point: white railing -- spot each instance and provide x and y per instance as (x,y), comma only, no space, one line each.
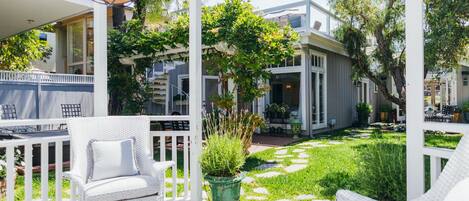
(436,155)
(45,77)
(316,18)
(59,141)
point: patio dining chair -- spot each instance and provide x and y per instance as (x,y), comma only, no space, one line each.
(456,170)
(8,112)
(148,184)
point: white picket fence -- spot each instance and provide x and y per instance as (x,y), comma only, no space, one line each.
(58,141)
(45,77)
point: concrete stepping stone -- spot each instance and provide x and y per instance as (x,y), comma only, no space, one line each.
(268,165)
(284,156)
(248,180)
(298,151)
(305,197)
(294,168)
(261,190)
(255,198)
(278,160)
(303,155)
(299,161)
(283,200)
(268,174)
(335,142)
(281,152)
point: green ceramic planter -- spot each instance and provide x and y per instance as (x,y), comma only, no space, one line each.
(225,188)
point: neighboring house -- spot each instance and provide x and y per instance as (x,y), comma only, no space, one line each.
(316,83)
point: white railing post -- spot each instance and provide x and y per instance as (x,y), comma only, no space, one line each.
(100,59)
(414,103)
(195,96)
(435,168)
(10,159)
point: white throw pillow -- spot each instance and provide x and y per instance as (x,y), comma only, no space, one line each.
(460,191)
(110,159)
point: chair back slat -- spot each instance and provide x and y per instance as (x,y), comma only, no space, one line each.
(8,112)
(71,110)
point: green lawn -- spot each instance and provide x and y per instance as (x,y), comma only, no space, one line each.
(332,165)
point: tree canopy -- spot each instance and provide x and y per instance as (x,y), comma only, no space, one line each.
(373,35)
(18,51)
(240,44)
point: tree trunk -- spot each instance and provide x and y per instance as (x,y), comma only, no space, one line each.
(118,16)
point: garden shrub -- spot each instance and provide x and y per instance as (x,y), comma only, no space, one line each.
(382,172)
(222,156)
(335,181)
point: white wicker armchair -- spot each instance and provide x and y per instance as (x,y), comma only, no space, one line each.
(455,170)
(148,185)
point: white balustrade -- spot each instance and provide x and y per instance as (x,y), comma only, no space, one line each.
(436,155)
(59,141)
(45,77)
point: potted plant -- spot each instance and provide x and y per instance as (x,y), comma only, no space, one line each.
(221,162)
(465,110)
(456,118)
(3,170)
(384,113)
(364,110)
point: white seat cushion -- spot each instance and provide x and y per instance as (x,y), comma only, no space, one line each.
(460,191)
(112,158)
(121,188)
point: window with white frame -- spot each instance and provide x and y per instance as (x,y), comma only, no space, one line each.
(80,46)
(289,62)
(318,91)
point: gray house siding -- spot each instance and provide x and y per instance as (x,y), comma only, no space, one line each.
(43,101)
(341,92)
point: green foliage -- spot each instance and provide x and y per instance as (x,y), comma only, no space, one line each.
(18,51)
(465,106)
(446,39)
(382,170)
(364,107)
(386,108)
(3,165)
(241,45)
(223,156)
(239,125)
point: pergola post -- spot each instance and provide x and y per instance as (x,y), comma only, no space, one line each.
(100,98)
(195,96)
(414,101)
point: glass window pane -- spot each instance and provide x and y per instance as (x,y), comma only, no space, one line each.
(76,46)
(285,90)
(321,98)
(89,46)
(297,60)
(313,99)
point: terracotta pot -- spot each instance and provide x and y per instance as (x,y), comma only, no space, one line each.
(456,117)
(384,116)
(3,186)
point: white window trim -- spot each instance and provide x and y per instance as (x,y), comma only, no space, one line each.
(367,90)
(318,71)
(205,77)
(69,45)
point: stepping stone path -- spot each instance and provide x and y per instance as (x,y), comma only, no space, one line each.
(305,197)
(268,174)
(281,152)
(261,191)
(278,160)
(335,142)
(303,155)
(298,151)
(294,168)
(284,156)
(269,165)
(300,161)
(255,198)
(248,180)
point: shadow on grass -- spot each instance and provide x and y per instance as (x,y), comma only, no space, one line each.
(252,162)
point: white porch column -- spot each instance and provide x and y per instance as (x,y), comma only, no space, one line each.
(195,96)
(305,88)
(308,16)
(100,59)
(414,102)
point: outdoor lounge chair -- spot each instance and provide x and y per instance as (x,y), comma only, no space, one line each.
(147,185)
(456,170)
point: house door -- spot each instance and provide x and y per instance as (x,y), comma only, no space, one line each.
(318,109)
